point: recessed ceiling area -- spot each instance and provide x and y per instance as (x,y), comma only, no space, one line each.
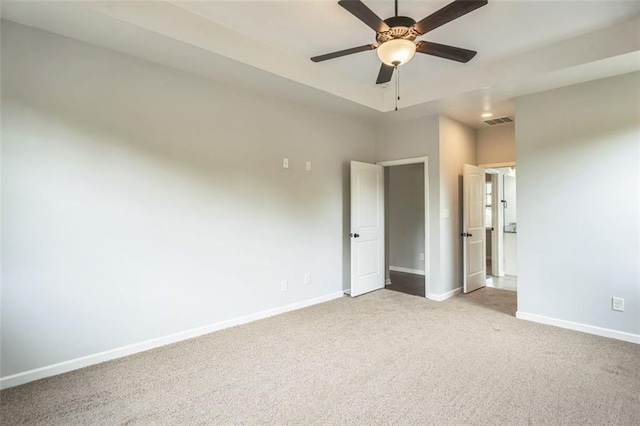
(523,47)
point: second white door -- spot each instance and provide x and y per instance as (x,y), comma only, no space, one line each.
(473,228)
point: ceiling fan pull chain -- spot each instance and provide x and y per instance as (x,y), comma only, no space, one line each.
(398,93)
(397,86)
(396,7)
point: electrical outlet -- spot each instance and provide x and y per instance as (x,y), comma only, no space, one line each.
(285,163)
(617,304)
(421,256)
(308,166)
(307,278)
(284,284)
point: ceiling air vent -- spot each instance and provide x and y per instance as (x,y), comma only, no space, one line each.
(500,120)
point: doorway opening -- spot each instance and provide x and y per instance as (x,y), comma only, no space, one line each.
(406,225)
(501,228)
(404,213)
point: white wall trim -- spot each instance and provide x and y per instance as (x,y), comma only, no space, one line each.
(576,326)
(407,270)
(444,296)
(85,361)
(403,162)
(490,165)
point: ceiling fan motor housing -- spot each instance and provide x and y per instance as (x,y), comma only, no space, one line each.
(399,27)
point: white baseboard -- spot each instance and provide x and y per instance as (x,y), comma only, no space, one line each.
(576,326)
(85,361)
(407,270)
(444,296)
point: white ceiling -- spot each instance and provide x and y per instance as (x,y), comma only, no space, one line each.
(523,47)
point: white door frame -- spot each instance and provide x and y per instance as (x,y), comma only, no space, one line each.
(497,165)
(425,161)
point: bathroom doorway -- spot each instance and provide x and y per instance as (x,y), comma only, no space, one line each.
(501,228)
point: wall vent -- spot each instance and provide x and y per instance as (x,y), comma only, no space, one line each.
(500,120)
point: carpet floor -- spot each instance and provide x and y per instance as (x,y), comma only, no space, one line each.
(381,358)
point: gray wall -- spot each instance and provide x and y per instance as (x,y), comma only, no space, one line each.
(406,216)
(578,153)
(497,144)
(457,147)
(140,201)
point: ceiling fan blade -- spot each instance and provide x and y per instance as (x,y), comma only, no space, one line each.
(343,52)
(448,13)
(385,74)
(444,51)
(363,13)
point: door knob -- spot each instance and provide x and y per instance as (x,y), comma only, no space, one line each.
(354,235)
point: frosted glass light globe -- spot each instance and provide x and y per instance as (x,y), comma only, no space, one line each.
(396,52)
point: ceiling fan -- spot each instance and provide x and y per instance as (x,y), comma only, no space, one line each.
(396,35)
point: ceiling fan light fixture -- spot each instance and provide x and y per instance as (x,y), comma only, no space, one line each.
(396,52)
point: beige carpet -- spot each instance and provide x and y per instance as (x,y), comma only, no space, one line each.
(382,358)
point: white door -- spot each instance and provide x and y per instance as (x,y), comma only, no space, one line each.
(367,228)
(473,228)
